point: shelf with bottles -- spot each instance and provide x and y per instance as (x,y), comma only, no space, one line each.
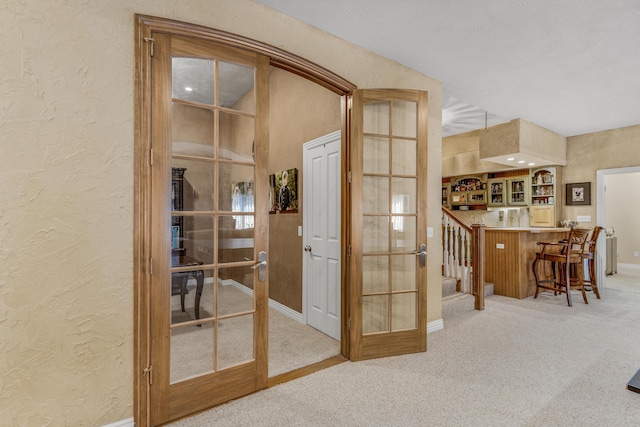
(469,192)
(497,192)
(518,191)
(446,189)
(543,189)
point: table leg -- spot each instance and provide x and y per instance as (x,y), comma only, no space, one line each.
(199,275)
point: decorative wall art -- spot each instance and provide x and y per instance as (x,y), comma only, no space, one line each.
(284,191)
(578,194)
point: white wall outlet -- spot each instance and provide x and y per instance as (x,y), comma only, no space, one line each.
(429,232)
(499,245)
(583,218)
(300,230)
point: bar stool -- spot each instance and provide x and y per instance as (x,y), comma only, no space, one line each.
(590,255)
(566,256)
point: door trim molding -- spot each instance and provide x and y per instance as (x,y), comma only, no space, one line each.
(145,27)
(279,58)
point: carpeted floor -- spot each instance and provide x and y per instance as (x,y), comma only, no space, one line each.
(626,279)
(517,363)
(292,344)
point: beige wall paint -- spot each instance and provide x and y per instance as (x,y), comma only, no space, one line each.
(300,111)
(66,199)
(622,207)
(586,154)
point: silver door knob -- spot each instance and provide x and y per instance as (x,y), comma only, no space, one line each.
(307,248)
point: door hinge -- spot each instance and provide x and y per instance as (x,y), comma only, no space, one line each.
(150,266)
(348,250)
(150,41)
(151,157)
(349,324)
(148,371)
(349,177)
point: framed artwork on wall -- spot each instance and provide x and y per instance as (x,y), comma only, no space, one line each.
(578,194)
(284,191)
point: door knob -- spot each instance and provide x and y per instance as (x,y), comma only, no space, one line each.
(261,265)
(307,248)
(422,254)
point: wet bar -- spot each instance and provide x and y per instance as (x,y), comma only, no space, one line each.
(509,254)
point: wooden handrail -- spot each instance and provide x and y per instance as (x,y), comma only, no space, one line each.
(457,221)
(476,261)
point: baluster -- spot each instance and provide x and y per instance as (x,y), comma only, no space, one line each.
(469,264)
(463,258)
(456,250)
(445,242)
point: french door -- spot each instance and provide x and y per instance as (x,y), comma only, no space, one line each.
(388,223)
(209,225)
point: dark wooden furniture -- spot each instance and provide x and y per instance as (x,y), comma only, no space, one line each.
(590,255)
(562,258)
(177,205)
(179,280)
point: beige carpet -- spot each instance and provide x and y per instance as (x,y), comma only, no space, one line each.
(626,279)
(292,344)
(517,363)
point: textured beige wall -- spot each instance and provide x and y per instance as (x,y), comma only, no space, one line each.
(299,111)
(66,199)
(461,156)
(612,149)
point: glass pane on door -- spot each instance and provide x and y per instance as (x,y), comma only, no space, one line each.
(212,217)
(389,202)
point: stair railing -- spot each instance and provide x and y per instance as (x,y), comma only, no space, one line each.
(462,250)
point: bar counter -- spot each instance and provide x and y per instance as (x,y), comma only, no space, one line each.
(509,254)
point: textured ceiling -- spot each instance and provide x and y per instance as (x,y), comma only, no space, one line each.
(571,66)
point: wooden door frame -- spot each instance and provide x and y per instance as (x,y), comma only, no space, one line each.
(145,27)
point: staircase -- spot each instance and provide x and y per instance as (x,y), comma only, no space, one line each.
(463,258)
(450,287)
(454,302)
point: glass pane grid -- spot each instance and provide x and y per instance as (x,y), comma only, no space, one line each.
(213,132)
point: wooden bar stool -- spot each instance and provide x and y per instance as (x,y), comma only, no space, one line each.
(590,255)
(565,256)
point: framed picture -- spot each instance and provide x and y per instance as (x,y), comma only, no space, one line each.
(284,191)
(579,193)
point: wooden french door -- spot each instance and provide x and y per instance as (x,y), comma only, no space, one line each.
(208,225)
(388,223)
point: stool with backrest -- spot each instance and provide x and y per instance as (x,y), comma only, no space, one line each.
(566,256)
(590,255)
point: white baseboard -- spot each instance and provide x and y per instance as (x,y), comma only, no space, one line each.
(435,325)
(629,266)
(122,423)
(272,303)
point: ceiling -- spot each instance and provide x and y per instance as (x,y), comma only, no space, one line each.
(571,66)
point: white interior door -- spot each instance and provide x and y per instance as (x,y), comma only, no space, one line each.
(321,233)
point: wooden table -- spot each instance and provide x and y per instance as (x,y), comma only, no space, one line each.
(509,255)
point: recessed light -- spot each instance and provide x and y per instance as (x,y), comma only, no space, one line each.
(188,89)
(532,164)
(510,159)
(520,161)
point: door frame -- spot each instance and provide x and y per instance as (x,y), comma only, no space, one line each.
(601,215)
(145,27)
(305,222)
